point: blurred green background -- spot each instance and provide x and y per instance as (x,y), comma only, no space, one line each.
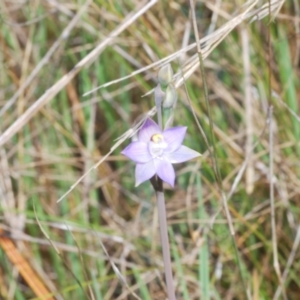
(250,65)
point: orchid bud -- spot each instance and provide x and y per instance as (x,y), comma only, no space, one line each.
(170,97)
(159,95)
(165,75)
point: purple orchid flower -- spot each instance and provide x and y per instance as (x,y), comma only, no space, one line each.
(156,151)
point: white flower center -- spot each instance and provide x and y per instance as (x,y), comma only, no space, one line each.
(157,145)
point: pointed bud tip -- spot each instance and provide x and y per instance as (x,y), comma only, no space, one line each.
(165,75)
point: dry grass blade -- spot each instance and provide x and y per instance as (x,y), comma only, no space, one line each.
(45,59)
(248,110)
(91,292)
(240,173)
(6,190)
(24,268)
(118,273)
(272,204)
(276,96)
(58,86)
(209,42)
(213,153)
(289,262)
(58,252)
(128,134)
(72,147)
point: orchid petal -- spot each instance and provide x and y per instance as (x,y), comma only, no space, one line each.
(144,172)
(138,152)
(148,130)
(182,154)
(174,137)
(165,171)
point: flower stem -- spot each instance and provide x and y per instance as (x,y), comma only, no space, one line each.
(161,207)
(163,226)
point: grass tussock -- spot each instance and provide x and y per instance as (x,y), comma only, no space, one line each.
(101,240)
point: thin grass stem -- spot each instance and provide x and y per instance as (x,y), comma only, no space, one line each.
(213,153)
(271,165)
(272,205)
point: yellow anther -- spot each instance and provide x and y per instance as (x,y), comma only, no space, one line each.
(157,138)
